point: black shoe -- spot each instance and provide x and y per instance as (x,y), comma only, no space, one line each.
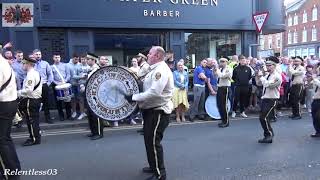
(154,177)
(222,125)
(296,118)
(61,118)
(192,119)
(96,137)
(147,170)
(49,121)
(30,142)
(90,135)
(19,125)
(265,140)
(273,120)
(315,135)
(201,117)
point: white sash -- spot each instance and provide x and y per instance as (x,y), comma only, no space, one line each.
(61,77)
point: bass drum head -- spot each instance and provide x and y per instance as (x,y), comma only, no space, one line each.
(105,92)
(212,107)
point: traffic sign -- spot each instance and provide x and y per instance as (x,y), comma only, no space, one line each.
(260,19)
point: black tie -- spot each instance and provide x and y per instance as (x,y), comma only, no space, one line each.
(219,78)
(264,91)
(295,68)
(316,89)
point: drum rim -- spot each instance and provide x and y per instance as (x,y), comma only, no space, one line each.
(100,69)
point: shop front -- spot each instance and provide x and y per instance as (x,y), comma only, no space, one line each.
(193,29)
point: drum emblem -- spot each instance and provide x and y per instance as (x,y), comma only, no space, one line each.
(105,93)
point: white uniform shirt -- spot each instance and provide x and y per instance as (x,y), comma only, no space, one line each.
(29,83)
(271,85)
(10,92)
(297,74)
(316,83)
(224,76)
(158,89)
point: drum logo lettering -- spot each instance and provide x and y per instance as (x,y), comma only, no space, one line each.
(105,93)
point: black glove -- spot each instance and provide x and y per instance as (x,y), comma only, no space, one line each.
(128,98)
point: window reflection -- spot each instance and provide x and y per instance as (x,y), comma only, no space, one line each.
(214,45)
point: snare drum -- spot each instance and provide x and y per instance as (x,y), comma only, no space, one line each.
(64,91)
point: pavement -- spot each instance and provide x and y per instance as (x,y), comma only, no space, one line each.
(193,151)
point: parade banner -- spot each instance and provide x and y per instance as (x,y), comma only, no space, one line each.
(17,15)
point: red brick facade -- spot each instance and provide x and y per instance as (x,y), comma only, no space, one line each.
(307,7)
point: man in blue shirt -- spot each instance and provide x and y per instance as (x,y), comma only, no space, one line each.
(199,81)
(61,75)
(17,67)
(45,71)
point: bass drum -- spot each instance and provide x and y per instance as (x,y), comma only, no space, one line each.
(212,107)
(105,92)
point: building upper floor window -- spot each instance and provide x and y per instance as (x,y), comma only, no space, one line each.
(304,35)
(289,38)
(314,13)
(278,40)
(314,34)
(295,20)
(305,17)
(295,37)
(290,21)
(270,42)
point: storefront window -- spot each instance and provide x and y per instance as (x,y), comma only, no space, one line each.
(298,52)
(312,51)
(214,45)
(304,52)
(292,52)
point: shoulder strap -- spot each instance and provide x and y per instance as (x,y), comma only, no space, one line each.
(6,84)
(37,84)
(61,77)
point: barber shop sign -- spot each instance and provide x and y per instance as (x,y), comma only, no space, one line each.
(17,15)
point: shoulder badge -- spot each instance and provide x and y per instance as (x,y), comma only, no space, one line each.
(158,75)
(29,82)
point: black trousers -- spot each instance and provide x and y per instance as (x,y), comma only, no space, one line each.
(8,155)
(45,101)
(240,96)
(295,98)
(315,111)
(267,106)
(222,97)
(155,123)
(60,105)
(30,109)
(96,124)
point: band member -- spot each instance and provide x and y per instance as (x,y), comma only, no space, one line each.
(103,61)
(143,71)
(297,72)
(30,104)
(271,93)
(199,81)
(95,123)
(61,75)
(224,82)
(157,106)
(8,103)
(315,110)
(45,71)
(242,75)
